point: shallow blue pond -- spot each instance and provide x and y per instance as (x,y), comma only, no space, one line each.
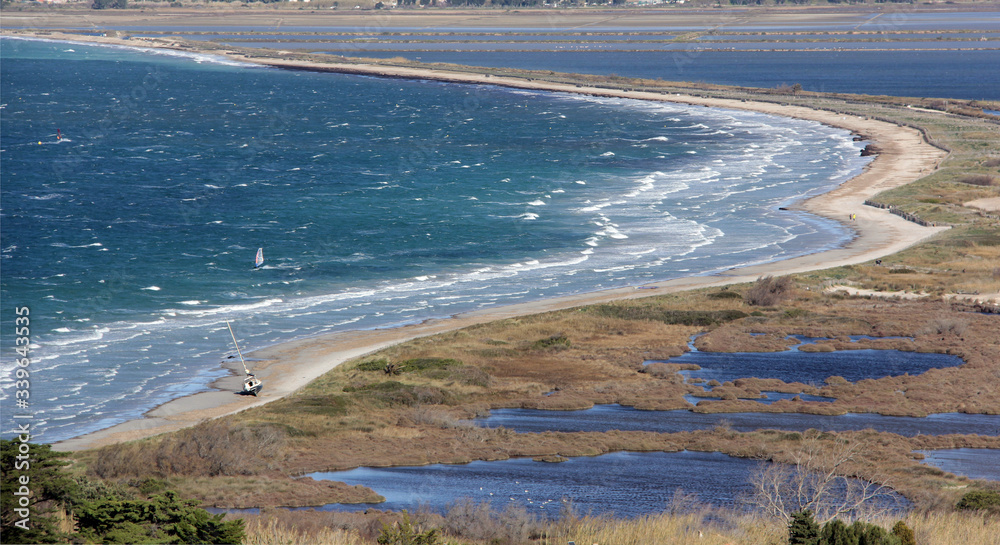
(975,463)
(810,367)
(628,484)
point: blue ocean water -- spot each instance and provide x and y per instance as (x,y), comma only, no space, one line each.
(377,203)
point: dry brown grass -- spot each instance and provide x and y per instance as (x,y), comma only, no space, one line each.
(216,448)
(272,489)
(681,528)
(685,527)
(272,532)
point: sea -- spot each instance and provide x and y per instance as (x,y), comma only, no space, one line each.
(137,186)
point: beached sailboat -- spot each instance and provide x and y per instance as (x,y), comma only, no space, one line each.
(251,385)
(259,260)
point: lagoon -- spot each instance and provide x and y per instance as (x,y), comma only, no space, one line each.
(626,484)
(603,418)
(960,74)
(794,365)
(975,463)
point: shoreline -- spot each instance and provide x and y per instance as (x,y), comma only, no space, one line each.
(906,156)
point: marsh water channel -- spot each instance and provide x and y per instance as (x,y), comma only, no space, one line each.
(630,484)
(623,484)
(974,463)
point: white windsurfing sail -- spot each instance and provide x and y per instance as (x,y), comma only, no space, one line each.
(259,260)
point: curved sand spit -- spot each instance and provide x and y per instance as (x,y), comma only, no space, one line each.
(905,157)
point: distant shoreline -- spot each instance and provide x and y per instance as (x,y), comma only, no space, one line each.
(905,156)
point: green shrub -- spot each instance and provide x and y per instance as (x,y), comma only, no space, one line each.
(726,294)
(700,318)
(979,499)
(395,393)
(836,532)
(325,405)
(163,519)
(150,485)
(424,364)
(555,342)
(373,365)
(795,312)
(904,533)
(802,529)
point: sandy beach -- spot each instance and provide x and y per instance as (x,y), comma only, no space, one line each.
(285,368)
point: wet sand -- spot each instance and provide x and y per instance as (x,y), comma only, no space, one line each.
(285,368)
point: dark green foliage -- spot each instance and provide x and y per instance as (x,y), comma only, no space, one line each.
(904,533)
(45,488)
(327,405)
(393,393)
(424,364)
(105,513)
(555,342)
(836,532)
(699,318)
(870,534)
(795,312)
(403,533)
(163,519)
(373,365)
(414,365)
(149,485)
(802,529)
(726,294)
(979,499)
(92,489)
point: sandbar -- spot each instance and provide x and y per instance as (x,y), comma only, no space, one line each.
(905,156)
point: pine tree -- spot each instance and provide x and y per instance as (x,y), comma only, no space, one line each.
(835,532)
(803,530)
(32,483)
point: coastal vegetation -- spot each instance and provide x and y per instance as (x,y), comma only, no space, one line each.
(65,506)
(410,404)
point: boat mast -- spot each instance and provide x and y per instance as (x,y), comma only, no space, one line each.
(238,348)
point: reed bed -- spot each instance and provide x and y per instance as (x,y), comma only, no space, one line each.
(261,531)
(695,528)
